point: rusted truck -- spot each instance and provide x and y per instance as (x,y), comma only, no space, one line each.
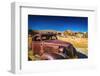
(48,47)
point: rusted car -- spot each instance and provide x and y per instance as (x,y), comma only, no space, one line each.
(48,47)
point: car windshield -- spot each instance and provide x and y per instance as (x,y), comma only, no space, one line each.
(44,37)
(37,38)
(48,37)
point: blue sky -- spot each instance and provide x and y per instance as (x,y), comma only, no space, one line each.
(58,23)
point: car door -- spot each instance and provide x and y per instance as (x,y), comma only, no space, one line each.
(37,45)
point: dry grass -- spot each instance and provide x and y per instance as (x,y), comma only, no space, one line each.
(33,57)
(77,42)
(80,43)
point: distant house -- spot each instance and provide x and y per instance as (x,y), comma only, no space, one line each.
(71,34)
(79,35)
(68,33)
